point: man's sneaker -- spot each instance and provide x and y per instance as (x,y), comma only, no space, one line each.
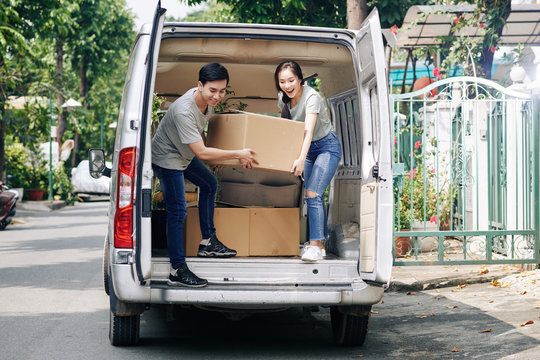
(312,253)
(215,249)
(184,277)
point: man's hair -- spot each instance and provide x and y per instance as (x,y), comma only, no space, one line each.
(212,72)
(295,68)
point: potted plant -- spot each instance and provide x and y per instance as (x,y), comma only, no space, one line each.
(28,170)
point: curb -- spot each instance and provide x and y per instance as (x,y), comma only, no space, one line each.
(41,205)
(398,286)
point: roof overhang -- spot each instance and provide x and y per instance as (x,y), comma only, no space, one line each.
(522,25)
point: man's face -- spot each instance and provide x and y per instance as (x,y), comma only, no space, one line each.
(213,91)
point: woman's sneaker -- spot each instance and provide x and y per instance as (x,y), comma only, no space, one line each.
(312,253)
(184,277)
(215,249)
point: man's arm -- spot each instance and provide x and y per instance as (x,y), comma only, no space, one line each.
(245,156)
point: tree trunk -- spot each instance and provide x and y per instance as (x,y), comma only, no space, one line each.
(62,117)
(83,92)
(84,83)
(75,146)
(357,11)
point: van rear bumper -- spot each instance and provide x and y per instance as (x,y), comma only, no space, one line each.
(245,295)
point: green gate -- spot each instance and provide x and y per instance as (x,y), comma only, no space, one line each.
(466,174)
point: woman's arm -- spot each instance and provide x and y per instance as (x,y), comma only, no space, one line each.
(298,165)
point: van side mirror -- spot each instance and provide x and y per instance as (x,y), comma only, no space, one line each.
(96,163)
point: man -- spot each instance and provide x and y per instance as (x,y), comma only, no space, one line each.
(177,150)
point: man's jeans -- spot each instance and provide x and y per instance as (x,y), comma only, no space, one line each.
(321,163)
(172,186)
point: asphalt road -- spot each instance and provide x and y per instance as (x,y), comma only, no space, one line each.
(52,306)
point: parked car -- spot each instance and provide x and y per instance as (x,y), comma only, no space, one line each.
(350,65)
(84,183)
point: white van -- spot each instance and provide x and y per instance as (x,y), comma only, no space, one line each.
(165,59)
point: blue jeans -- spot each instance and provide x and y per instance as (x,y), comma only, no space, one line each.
(172,186)
(321,163)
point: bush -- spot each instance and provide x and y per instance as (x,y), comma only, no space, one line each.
(16,160)
(27,169)
(61,183)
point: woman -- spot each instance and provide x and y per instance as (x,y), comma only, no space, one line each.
(320,153)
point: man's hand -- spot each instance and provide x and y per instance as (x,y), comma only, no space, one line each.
(247,159)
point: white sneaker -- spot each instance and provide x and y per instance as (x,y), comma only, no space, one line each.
(312,253)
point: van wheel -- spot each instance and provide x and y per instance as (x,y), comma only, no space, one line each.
(124,330)
(106,268)
(349,330)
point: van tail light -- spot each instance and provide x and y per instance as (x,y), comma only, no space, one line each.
(123,218)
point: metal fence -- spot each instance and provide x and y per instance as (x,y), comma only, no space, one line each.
(466,174)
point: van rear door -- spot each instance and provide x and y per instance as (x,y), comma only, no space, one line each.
(143,188)
(377,195)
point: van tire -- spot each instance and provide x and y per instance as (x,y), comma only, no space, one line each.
(349,329)
(106,267)
(124,330)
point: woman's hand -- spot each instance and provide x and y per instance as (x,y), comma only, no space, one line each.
(298,167)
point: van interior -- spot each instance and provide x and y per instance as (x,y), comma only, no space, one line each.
(251,64)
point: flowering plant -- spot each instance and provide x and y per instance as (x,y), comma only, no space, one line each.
(423,189)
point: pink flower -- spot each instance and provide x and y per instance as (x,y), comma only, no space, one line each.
(417,144)
(432,171)
(458,19)
(437,73)
(493,49)
(395,140)
(394,29)
(481,25)
(433,219)
(413,174)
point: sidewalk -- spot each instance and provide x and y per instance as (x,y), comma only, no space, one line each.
(418,278)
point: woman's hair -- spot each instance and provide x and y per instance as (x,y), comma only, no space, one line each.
(295,68)
(212,72)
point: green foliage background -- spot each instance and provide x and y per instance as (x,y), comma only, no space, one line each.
(61,48)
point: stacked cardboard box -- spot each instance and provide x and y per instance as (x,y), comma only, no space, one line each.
(262,216)
(250,231)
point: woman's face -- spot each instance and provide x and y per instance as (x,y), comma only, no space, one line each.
(289,82)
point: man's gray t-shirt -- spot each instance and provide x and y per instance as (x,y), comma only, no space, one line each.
(310,103)
(182,125)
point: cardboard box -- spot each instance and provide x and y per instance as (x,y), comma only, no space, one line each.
(232,229)
(256,176)
(249,231)
(239,194)
(277,141)
(274,232)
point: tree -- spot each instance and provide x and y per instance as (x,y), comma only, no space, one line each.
(293,12)
(104,35)
(458,49)
(11,44)
(51,19)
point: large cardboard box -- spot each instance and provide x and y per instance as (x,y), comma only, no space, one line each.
(239,194)
(250,231)
(277,141)
(255,176)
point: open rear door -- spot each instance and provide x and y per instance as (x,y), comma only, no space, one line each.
(143,211)
(376,170)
